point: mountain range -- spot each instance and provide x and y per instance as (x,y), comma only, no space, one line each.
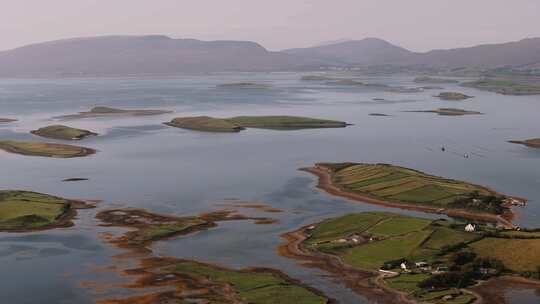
(156,54)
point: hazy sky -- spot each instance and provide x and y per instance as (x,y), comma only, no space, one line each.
(415,24)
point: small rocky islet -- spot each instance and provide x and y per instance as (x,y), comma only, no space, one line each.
(6,120)
(453,96)
(448,112)
(63,132)
(434,80)
(43,149)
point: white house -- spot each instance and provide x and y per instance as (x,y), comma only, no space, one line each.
(403,266)
(470,228)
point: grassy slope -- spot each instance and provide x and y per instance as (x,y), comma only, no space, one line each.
(43,149)
(397,184)
(254,287)
(62,132)
(25,210)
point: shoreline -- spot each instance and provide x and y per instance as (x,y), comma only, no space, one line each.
(65,220)
(365,283)
(325,183)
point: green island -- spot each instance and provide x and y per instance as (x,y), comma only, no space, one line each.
(506,86)
(7,120)
(205,123)
(433,80)
(32,148)
(239,123)
(375,86)
(400,187)
(63,132)
(23,211)
(244,85)
(429,261)
(453,96)
(112,112)
(533,143)
(449,112)
(316,78)
(197,282)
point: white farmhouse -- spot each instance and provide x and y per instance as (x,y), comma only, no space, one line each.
(470,228)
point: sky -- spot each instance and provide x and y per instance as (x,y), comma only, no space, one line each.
(418,25)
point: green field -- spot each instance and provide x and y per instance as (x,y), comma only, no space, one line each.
(258,287)
(375,240)
(505,86)
(402,185)
(22,210)
(62,132)
(31,148)
(519,255)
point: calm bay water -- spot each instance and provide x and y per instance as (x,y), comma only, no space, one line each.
(142,163)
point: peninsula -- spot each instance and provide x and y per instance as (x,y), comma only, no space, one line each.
(399,187)
(394,258)
(507,86)
(23,211)
(532,143)
(196,282)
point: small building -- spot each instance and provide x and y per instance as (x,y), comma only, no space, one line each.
(403,266)
(470,228)
(421,264)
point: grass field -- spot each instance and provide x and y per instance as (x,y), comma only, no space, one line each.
(373,255)
(518,255)
(62,132)
(261,287)
(44,149)
(403,185)
(21,210)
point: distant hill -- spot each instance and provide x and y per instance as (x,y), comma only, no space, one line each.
(371,51)
(130,55)
(518,53)
(140,55)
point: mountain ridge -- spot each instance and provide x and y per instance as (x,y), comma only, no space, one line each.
(159,54)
